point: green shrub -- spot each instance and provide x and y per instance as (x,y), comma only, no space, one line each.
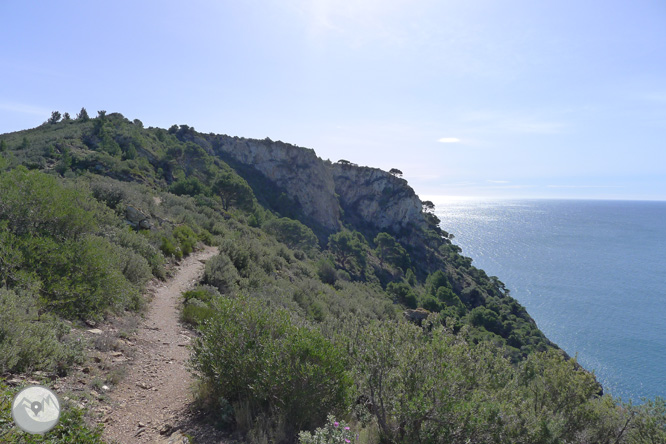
(29,341)
(196,312)
(326,271)
(431,304)
(292,233)
(403,293)
(189,186)
(186,239)
(349,249)
(136,269)
(84,278)
(389,250)
(203,293)
(241,253)
(205,236)
(141,244)
(37,204)
(488,319)
(435,281)
(221,273)
(169,249)
(250,353)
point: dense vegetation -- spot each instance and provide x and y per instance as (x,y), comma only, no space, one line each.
(295,323)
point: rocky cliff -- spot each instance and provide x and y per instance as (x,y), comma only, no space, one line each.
(372,197)
(298,171)
(369,197)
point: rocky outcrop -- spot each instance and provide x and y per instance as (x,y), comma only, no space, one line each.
(416,316)
(137,219)
(370,196)
(298,171)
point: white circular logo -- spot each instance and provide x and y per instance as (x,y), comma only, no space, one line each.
(36,409)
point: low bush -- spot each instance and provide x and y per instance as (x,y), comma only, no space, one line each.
(196,312)
(221,273)
(30,341)
(186,238)
(84,278)
(170,249)
(251,354)
(326,271)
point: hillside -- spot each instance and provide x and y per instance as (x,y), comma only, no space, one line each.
(335,291)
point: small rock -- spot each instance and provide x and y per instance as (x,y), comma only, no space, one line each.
(105,388)
(177,438)
(142,385)
(166,429)
(95,331)
(141,424)
(117,354)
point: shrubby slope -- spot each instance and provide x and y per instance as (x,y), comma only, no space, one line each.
(335,292)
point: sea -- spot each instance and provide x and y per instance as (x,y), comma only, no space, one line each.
(592,274)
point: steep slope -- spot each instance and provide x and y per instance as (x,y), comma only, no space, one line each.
(378,316)
(376,199)
(297,171)
(288,181)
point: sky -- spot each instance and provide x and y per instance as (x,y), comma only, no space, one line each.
(474,98)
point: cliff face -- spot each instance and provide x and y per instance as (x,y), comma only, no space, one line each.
(370,197)
(374,197)
(299,171)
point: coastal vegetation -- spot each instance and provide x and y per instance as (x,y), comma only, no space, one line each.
(299,321)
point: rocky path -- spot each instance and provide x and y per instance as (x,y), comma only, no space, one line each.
(151,403)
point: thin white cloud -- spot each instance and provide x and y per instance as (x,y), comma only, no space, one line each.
(497,181)
(586,186)
(449,140)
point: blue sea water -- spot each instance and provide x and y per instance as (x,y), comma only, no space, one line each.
(592,274)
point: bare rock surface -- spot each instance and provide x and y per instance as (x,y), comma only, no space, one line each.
(153,402)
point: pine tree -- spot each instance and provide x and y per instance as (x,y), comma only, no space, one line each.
(83,115)
(55,117)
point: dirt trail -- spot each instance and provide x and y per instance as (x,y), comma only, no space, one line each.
(151,403)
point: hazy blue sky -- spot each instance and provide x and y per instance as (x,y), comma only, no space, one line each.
(512,98)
